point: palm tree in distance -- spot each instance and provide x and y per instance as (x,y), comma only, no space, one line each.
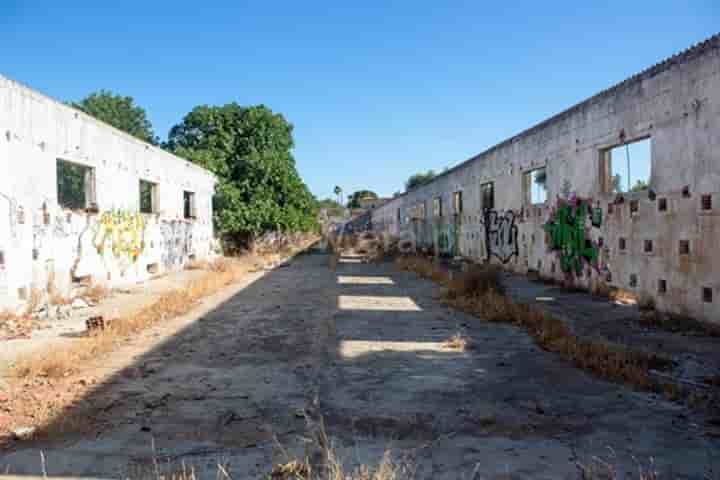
(338,192)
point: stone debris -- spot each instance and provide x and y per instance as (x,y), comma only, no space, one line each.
(13,327)
(23,433)
(96,323)
(79,303)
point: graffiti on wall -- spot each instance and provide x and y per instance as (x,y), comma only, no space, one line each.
(567,233)
(177,242)
(122,232)
(446,237)
(501,235)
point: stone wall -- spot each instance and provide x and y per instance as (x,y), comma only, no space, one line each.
(44,244)
(659,243)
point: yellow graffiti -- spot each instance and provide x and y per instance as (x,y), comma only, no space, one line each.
(124,231)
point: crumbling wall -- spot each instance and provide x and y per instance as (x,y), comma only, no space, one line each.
(656,243)
(45,245)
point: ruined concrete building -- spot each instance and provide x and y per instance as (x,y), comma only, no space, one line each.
(82,202)
(621,191)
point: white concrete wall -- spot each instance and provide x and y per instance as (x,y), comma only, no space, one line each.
(677,104)
(38,248)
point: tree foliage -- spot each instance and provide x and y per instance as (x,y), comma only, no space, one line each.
(249,149)
(332,207)
(354,198)
(120,112)
(419,179)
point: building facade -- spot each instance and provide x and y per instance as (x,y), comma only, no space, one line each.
(84,203)
(619,191)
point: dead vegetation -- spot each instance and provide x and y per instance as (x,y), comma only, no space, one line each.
(479,292)
(14,326)
(322,461)
(61,372)
(458,342)
(425,267)
(675,323)
(60,362)
(96,292)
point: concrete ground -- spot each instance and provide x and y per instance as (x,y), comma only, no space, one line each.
(361,347)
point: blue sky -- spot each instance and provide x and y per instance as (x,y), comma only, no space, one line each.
(377,90)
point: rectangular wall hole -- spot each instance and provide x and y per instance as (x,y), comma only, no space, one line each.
(707,293)
(75,185)
(648,246)
(662,204)
(622,244)
(189,209)
(633,280)
(148,197)
(535,183)
(662,286)
(684,247)
(706,202)
(627,167)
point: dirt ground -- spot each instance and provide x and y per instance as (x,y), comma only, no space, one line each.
(361,347)
(120,302)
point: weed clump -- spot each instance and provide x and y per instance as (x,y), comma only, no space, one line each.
(480,292)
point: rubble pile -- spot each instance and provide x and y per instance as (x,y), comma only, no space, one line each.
(15,326)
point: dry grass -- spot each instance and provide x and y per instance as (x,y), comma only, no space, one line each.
(477,280)
(58,299)
(609,361)
(96,292)
(64,361)
(458,342)
(424,267)
(60,362)
(14,326)
(322,462)
(480,292)
(678,323)
(197,265)
(36,297)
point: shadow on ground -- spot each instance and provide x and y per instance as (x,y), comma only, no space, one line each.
(362,347)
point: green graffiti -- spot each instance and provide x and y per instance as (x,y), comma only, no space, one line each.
(446,237)
(566,231)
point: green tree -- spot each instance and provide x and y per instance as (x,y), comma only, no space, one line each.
(249,149)
(120,112)
(640,185)
(332,207)
(354,198)
(419,179)
(338,193)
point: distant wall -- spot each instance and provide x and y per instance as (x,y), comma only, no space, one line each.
(670,232)
(42,243)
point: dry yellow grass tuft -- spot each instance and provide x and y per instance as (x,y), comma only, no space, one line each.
(424,267)
(475,281)
(96,292)
(480,293)
(60,362)
(458,342)
(322,462)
